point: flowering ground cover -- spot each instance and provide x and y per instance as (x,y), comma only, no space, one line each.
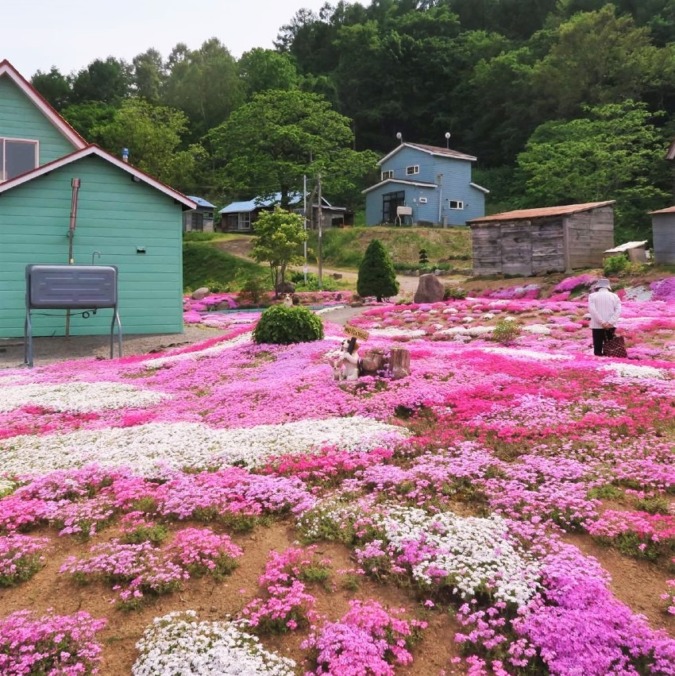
(507,508)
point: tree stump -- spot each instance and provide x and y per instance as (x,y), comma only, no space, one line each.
(399,362)
(372,362)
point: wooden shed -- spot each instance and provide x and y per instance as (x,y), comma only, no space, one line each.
(663,234)
(536,241)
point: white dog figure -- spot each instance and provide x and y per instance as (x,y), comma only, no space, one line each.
(345,362)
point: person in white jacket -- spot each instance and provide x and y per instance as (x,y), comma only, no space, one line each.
(604,307)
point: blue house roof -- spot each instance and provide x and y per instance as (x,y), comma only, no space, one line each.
(200,202)
(430,150)
(258,202)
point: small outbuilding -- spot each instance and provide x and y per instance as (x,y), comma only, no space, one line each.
(530,242)
(199,219)
(635,252)
(663,234)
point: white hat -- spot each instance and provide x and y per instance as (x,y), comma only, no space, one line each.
(603,283)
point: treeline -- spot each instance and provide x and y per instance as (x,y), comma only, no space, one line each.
(562,101)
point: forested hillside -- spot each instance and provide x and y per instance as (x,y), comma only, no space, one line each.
(562,101)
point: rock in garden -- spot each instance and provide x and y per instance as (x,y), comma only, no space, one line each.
(429,290)
(200,293)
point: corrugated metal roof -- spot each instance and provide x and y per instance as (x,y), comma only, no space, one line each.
(431,150)
(294,199)
(201,202)
(669,210)
(626,246)
(525,214)
(416,184)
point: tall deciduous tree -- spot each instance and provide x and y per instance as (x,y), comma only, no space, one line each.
(270,143)
(264,69)
(106,81)
(204,84)
(149,75)
(153,135)
(377,276)
(54,86)
(614,152)
(278,240)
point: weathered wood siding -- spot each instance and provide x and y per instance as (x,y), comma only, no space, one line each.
(116,217)
(663,232)
(537,246)
(19,118)
(486,249)
(521,248)
(590,234)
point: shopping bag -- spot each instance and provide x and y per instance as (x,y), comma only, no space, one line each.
(615,347)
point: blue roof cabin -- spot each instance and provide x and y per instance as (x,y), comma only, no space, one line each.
(424,185)
(199,219)
(123,217)
(240,216)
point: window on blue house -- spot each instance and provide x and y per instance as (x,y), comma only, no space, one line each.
(412,169)
(390,201)
(387,174)
(456,204)
(17,156)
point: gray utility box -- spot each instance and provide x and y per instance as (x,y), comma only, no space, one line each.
(70,287)
(59,287)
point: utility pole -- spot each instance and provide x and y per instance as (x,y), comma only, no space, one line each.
(304,222)
(320,233)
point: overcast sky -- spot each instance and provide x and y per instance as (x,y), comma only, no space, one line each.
(70,34)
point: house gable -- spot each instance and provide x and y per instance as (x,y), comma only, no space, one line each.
(120,222)
(435,183)
(25,115)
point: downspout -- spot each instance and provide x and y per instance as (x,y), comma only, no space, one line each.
(439,178)
(75,189)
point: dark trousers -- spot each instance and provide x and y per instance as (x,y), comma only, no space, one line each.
(599,337)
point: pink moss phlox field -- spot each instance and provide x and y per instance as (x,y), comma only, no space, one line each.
(49,644)
(368,639)
(510,448)
(284,604)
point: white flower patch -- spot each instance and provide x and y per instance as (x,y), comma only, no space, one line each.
(472,332)
(331,308)
(518,353)
(152,449)
(79,397)
(450,311)
(394,332)
(488,315)
(178,644)
(472,552)
(537,329)
(206,352)
(635,371)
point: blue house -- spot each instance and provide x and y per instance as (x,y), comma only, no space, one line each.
(426,185)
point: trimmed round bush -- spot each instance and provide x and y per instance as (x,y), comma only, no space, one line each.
(282,325)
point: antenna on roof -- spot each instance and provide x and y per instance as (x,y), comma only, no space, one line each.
(447,139)
(399,136)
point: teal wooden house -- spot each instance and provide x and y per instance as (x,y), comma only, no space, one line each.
(119,216)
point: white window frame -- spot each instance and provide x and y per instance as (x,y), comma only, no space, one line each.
(458,204)
(389,173)
(412,169)
(244,220)
(3,154)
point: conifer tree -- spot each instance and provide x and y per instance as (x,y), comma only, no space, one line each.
(377,276)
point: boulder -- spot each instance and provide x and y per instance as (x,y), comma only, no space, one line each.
(429,290)
(201,293)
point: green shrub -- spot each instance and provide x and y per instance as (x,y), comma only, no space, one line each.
(615,265)
(454,292)
(281,325)
(252,289)
(312,284)
(505,331)
(376,273)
